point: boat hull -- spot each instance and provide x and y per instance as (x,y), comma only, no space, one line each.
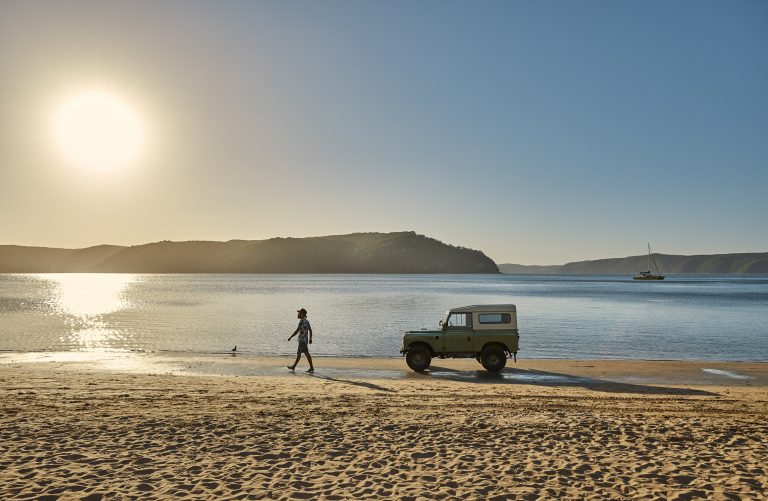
(648,277)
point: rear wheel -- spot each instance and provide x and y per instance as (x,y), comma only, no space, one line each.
(418,358)
(493,358)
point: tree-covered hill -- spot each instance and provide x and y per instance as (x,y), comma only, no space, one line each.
(401,252)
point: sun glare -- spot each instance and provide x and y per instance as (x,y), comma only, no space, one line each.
(98,131)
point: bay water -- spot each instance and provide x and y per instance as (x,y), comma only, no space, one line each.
(686,317)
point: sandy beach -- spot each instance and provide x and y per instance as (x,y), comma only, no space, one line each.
(79,426)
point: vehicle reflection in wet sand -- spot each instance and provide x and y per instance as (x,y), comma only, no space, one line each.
(552,379)
(506,375)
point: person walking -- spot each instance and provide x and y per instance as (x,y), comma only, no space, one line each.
(304,330)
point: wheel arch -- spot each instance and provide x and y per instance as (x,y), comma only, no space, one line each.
(421,344)
(496,343)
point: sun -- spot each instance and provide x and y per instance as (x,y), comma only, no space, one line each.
(97,130)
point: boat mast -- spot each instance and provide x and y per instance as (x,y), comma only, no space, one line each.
(649,257)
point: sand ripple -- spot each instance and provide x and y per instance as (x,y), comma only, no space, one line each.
(75,435)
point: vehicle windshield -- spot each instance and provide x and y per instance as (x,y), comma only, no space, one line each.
(460,320)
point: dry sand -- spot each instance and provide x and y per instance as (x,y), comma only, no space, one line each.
(369,428)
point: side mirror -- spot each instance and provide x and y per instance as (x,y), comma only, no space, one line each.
(441,324)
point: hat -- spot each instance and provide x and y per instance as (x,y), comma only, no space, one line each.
(302,311)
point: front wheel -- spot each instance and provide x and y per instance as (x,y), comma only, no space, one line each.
(493,358)
(418,358)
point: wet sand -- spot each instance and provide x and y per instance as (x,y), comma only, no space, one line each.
(148,426)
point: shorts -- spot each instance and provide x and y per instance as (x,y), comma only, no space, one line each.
(303,348)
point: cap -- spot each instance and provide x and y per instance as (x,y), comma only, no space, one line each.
(302,311)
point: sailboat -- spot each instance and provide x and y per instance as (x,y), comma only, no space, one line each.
(647,275)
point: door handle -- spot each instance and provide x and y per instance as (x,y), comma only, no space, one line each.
(437,337)
(469,339)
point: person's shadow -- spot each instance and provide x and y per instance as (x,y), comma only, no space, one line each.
(363,384)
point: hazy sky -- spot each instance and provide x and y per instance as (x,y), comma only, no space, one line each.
(537,131)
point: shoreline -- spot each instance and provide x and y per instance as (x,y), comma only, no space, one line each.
(524,371)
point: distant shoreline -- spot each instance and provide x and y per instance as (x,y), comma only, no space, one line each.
(736,263)
(669,276)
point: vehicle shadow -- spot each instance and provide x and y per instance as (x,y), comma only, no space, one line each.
(554,379)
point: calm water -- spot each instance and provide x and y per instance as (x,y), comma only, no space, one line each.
(684,317)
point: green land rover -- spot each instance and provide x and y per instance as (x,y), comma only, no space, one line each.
(485,332)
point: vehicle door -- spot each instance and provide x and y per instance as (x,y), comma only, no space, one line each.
(458,334)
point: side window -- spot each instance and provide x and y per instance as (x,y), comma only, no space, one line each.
(460,320)
(494,318)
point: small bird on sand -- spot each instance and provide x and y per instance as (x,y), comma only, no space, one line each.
(234,350)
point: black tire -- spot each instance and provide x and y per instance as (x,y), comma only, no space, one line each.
(418,358)
(493,358)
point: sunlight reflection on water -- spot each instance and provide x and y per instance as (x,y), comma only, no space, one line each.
(86,297)
(84,294)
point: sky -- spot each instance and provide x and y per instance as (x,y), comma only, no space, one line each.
(539,132)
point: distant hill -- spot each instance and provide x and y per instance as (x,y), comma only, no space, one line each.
(19,259)
(668,263)
(401,252)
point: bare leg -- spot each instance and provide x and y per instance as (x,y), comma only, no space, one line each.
(309,359)
(298,357)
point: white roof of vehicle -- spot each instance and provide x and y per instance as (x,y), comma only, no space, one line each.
(484,307)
